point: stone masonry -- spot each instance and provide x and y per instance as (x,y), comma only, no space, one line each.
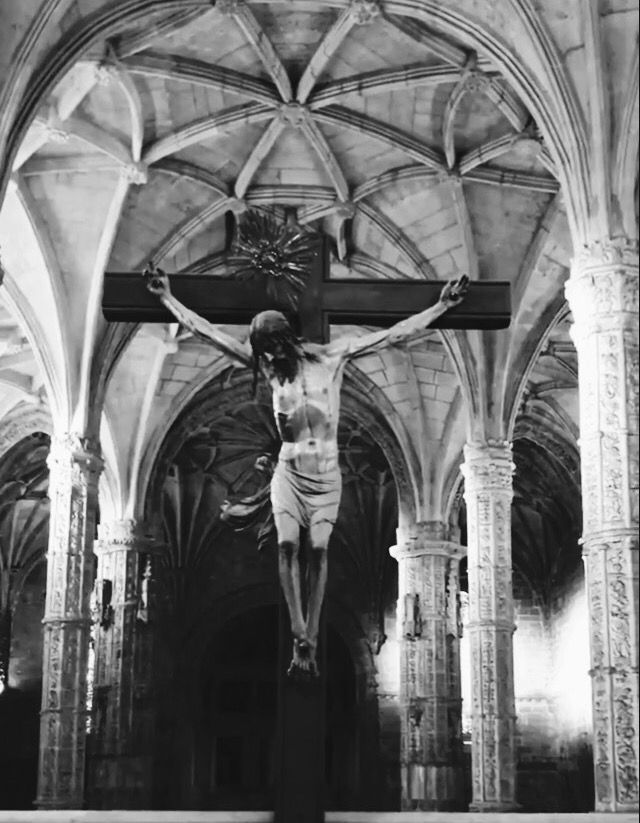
(74,465)
(488,492)
(603,294)
(430,756)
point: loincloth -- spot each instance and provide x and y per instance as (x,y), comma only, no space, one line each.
(308,498)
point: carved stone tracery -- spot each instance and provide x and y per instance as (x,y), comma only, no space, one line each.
(603,295)
(74,466)
(488,473)
(429,668)
(121,718)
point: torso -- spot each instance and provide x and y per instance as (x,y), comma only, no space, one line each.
(307,411)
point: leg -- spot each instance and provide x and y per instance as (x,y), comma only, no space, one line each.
(319,538)
(289,571)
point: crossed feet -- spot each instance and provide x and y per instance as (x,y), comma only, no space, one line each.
(303,664)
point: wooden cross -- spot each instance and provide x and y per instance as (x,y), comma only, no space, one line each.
(300,767)
(324,301)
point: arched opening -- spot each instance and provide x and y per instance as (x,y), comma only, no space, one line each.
(24,530)
(239,693)
(233,736)
(217,594)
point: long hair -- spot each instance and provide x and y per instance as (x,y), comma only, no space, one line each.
(269,329)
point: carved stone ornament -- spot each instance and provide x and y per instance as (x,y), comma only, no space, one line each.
(136,173)
(606,252)
(444,176)
(429,673)
(345,210)
(123,650)
(229,7)
(55,130)
(293,114)
(597,295)
(16,428)
(476,82)
(122,533)
(103,73)
(488,471)
(603,295)
(488,467)
(75,466)
(365,11)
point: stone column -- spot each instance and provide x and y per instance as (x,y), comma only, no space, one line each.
(488,492)
(121,734)
(454,635)
(603,295)
(74,468)
(430,753)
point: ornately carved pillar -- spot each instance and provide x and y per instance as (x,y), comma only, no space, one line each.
(488,492)
(121,736)
(603,295)
(74,468)
(430,755)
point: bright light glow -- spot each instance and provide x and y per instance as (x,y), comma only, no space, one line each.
(572,684)
(2,686)
(465,664)
(388,661)
(91,671)
(551,665)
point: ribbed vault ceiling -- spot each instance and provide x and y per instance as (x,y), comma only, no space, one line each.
(412,152)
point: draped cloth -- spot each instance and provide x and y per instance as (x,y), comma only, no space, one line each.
(254,513)
(309,498)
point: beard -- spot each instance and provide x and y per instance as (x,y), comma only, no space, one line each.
(283,368)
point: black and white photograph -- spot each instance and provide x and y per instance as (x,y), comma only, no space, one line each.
(319,377)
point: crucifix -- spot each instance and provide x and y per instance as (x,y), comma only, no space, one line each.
(324,301)
(289,343)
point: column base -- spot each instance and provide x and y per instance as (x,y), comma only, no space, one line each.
(617,808)
(428,788)
(58,804)
(495,806)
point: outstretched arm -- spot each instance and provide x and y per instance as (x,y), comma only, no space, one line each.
(452,294)
(158,284)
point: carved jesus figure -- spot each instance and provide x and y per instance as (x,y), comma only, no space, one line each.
(305,380)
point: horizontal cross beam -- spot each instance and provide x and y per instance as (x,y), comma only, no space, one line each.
(341,302)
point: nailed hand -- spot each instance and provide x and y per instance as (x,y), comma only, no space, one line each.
(156,280)
(455,290)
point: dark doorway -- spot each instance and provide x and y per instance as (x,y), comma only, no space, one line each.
(239,703)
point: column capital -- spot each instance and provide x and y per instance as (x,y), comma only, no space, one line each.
(604,253)
(70,447)
(127,533)
(604,283)
(488,465)
(428,537)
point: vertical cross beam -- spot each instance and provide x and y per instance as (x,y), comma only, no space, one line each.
(300,750)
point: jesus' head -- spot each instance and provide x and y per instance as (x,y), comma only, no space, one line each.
(275,346)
